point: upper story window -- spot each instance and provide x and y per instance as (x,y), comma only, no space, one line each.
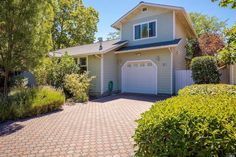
(145,30)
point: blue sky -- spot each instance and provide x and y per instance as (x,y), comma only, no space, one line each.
(111,10)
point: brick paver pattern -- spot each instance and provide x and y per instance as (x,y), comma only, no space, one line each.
(103,127)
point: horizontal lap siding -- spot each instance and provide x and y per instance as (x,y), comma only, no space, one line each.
(164,66)
(234,73)
(164,26)
(180,53)
(110,71)
(94,68)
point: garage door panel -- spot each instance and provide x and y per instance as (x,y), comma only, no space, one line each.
(139,77)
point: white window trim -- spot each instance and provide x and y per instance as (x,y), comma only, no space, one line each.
(146,22)
(78,62)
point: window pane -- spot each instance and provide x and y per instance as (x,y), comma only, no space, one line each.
(152,29)
(137,32)
(83,69)
(82,61)
(144,30)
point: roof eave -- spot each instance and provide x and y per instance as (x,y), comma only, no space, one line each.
(149,48)
(115,25)
(57,54)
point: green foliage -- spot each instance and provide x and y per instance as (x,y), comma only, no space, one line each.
(207,24)
(24,33)
(61,67)
(113,35)
(74,24)
(52,71)
(208,89)
(19,82)
(41,72)
(228,54)
(204,70)
(192,48)
(78,86)
(226,3)
(188,126)
(23,102)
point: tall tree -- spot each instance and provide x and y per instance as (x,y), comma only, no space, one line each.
(207,24)
(74,24)
(113,35)
(24,34)
(210,43)
(226,3)
(228,54)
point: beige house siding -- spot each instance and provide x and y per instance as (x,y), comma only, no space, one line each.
(164,26)
(94,68)
(234,74)
(161,58)
(180,54)
(110,71)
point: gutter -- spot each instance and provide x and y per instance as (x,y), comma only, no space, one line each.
(150,48)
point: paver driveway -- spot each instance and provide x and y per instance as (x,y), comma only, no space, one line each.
(103,127)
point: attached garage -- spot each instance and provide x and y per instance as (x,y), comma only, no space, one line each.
(139,76)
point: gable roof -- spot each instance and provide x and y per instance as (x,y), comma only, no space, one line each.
(90,48)
(180,11)
(156,45)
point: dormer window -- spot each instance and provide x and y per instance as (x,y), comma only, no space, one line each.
(145,30)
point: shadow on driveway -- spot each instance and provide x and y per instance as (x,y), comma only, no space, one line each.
(131,96)
(9,128)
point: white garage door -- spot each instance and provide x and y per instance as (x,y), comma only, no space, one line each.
(139,77)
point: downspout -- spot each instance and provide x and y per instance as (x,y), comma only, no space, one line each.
(102,72)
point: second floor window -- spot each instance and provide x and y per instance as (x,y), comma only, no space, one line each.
(145,30)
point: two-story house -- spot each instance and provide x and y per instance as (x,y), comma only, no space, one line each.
(151,47)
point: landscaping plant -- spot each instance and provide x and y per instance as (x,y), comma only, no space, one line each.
(30,102)
(208,89)
(204,70)
(78,86)
(199,125)
(52,71)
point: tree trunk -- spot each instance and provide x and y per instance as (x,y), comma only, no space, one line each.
(5,89)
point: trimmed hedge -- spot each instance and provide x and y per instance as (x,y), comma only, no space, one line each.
(204,70)
(197,125)
(23,103)
(208,89)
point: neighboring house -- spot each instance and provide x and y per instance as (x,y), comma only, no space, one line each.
(144,60)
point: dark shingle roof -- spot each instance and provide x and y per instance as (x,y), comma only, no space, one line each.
(157,44)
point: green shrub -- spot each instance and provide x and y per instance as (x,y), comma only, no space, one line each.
(61,67)
(41,72)
(78,86)
(208,89)
(188,126)
(30,102)
(204,70)
(52,71)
